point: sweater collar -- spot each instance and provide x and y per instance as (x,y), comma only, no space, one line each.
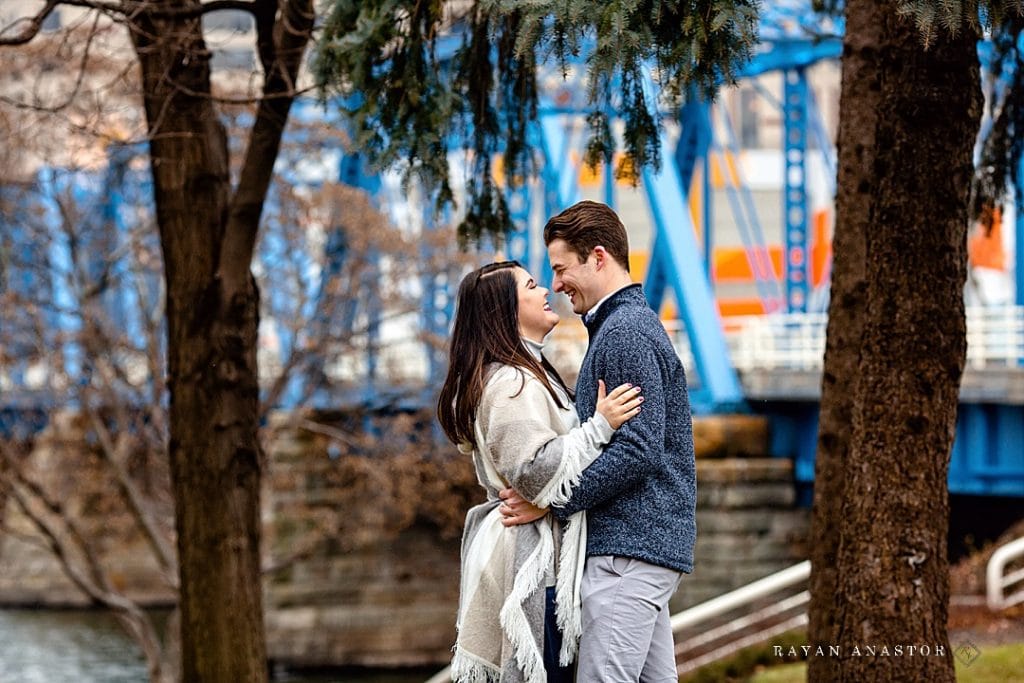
(535,348)
(593,311)
(630,294)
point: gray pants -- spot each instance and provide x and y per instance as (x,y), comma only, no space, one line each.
(626,632)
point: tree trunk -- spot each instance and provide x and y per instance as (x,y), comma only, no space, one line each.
(895,352)
(214,451)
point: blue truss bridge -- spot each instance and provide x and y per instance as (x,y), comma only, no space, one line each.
(730,238)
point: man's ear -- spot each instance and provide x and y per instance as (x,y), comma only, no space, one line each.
(600,256)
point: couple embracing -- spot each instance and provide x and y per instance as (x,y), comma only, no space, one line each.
(568,567)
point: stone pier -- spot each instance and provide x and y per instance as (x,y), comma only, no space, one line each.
(748,526)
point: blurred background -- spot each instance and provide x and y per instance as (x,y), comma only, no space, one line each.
(363,498)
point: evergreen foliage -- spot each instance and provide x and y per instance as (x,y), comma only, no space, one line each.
(422,78)
(1001,21)
(952,16)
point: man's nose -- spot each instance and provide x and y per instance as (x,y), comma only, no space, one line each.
(556,284)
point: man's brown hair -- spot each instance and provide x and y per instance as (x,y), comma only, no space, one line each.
(588,224)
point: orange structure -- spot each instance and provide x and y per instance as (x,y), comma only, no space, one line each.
(985,247)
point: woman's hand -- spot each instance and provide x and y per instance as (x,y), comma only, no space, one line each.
(620,405)
(516,510)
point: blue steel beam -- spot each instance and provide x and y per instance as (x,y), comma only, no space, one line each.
(694,142)
(1018,239)
(707,216)
(561,176)
(656,280)
(786,54)
(794,116)
(680,262)
(986,458)
(518,244)
(675,260)
(694,138)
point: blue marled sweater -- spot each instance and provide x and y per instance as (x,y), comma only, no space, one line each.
(640,494)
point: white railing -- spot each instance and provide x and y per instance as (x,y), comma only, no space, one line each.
(750,628)
(793,341)
(995,336)
(796,341)
(997,581)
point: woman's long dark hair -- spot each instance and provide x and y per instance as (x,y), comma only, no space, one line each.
(486,331)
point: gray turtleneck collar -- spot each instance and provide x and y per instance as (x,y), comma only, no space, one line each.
(533,347)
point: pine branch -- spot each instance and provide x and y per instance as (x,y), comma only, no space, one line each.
(410,106)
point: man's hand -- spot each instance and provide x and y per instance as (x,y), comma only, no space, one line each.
(517,510)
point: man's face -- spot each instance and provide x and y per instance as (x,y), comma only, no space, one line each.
(577,280)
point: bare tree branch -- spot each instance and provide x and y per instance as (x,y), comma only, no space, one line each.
(130,615)
(198,10)
(114,455)
(265,14)
(326,430)
(220,99)
(35,24)
(78,81)
(72,542)
(281,67)
(27,539)
(125,9)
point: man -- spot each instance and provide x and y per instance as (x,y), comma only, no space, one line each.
(640,494)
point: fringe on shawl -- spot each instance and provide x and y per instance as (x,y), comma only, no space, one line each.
(568,608)
(466,668)
(513,619)
(567,478)
(568,605)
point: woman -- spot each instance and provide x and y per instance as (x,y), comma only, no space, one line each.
(502,401)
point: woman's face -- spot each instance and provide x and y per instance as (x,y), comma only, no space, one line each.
(536,318)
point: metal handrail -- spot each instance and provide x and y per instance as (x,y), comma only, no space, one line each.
(743,623)
(737,645)
(741,596)
(996,581)
(738,629)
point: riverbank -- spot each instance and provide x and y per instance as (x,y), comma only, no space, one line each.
(89,646)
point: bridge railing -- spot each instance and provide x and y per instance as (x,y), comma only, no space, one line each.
(998,581)
(995,336)
(793,341)
(796,341)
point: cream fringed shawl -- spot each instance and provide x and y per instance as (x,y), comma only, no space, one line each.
(524,440)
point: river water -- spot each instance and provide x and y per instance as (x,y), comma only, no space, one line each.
(80,646)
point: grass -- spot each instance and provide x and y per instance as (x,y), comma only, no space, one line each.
(994,665)
(743,664)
